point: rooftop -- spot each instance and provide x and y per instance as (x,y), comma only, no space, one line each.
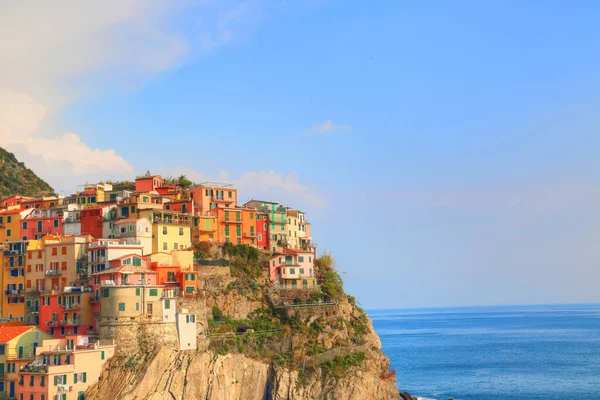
(8,333)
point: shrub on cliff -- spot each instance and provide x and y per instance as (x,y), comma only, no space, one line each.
(332,284)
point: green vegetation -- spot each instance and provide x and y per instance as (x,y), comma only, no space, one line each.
(122,185)
(16,178)
(330,280)
(217,314)
(340,364)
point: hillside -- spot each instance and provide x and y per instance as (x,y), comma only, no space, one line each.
(16,178)
(254,347)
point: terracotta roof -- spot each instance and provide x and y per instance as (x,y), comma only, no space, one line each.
(8,333)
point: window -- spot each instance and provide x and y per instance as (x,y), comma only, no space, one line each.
(167,304)
(226,230)
(127,261)
(292,271)
(25,225)
(165,247)
(259,237)
(64,250)
(8,219)
(102,355)
(189,289)
(31,380)
(105,293)
(8,232)
(181,231)
(301,271)
(301,258)
(121,306)
(137,306)
(56,223)
(164,230)
(64,265)
(226,215)
(137,262)
(54,251)
(309,259)
(2,349)
(238,216)
(137,291)
(190,319)
(238,230)
(42,380)
(175,245)
(251,215)
(229,194)
(80,395)
(153,292)
(79,377)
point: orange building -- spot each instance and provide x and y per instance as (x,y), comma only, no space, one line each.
(148,183)
(210,195)
(204,228)
(229,224)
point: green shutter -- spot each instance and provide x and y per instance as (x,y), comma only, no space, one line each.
(84,377)
(121,306)
(238,230)
(55,380)
(137,306)
(226,215)
(153,292)
(102,355)
(75,377)
(167,304)
(137,291)
(226,230)
(105,292)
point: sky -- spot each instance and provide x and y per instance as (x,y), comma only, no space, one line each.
(446,152)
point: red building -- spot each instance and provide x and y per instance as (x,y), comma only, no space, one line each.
(13,201)
(261,231)
(182,206)
(91,222)
(148,183)
(67,312)
(41,222)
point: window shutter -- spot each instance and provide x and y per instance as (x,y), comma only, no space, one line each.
(75,377)
(84,377)
(55,380)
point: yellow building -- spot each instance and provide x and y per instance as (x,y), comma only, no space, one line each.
(34,280)
(14,256)
(10,223)
(204,229)
(170,230)
(17,347)
(64,261)
(91,195)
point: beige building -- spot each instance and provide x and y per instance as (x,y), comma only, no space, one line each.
(64,368)
(134,231)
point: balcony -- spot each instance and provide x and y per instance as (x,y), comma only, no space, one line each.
(23,356)
(109,283)
(207,229)
(63,322)
(229,221)
(171,221)
(221,199)
(53,272)
(12,292)
(282,242)
(73,306)
(250,235)
(94,300)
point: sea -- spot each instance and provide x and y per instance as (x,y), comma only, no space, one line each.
(549,352)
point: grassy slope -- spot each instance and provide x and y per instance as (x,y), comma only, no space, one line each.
(16,178)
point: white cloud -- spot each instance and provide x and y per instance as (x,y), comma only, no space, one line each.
(328,127)
(55,53)
(265,185)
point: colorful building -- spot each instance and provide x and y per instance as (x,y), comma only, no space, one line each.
(229,224)
(101,251)
(13,280)
(67,312)
(262,231)
(90,195)
(34,280)
(41,222)
(170,230)
(17,348)
(276,218)
(10,223)
(293,270)
(204,228)
(148,183)
(64,368)
(134,231)
(209,195)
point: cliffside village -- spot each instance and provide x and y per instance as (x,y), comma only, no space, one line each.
(73,267)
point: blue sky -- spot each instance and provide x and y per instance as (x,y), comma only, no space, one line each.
(446,152)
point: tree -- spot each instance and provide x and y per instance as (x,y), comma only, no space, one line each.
(184,182)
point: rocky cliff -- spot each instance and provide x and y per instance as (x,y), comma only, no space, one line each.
(16,178)
(257,346)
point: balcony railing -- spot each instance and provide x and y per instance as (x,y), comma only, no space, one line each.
(230,221)
(64,322)
(23,356)
(250,235)
(73,306)
(110,283)
(53,272)
(12,292)
(171,221)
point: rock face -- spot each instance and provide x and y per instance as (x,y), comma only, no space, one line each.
(320,352)
(172,374)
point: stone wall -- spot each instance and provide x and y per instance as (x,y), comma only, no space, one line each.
(141,334)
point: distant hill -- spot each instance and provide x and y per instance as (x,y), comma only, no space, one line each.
(16,178)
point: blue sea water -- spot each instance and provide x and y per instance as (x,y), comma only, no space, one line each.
(485,353)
